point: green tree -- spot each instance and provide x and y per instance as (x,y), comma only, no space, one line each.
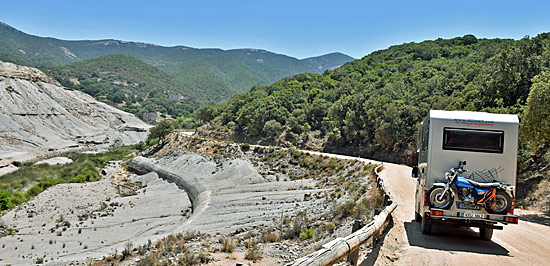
(160,131)
(469,39)
(205,113)
(272,128)
(510,72)
(536,123)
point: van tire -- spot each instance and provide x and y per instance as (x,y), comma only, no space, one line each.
(485,233)
(417,217)
(426,225)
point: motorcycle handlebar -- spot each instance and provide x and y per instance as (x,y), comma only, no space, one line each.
(458,170)
(460,167)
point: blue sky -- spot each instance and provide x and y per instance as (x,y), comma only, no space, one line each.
(296,28)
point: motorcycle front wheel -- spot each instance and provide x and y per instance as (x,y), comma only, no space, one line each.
(435,200)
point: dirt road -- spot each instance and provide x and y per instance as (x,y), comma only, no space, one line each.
(523,244)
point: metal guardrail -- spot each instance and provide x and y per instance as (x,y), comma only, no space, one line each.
(339,248)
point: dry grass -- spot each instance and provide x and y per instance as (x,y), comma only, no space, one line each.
(270,236)
(228,244)
(253,251)
(162,252)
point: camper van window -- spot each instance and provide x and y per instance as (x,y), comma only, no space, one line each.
(473,140)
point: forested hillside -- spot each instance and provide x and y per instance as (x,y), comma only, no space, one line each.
(129,84)
(373,106)
(213,74)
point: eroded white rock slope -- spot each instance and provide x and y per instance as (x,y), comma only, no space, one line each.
(39,116)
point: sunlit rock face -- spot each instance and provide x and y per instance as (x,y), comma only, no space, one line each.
(38,116)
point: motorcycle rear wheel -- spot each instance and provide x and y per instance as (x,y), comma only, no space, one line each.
(502,203)
(433,198)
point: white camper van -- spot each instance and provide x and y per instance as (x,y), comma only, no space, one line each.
(466,170)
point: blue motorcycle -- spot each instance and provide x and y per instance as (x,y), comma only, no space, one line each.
(470,194)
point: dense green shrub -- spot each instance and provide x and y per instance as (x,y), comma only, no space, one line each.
(5,200)
(307,234)
(33,191)
(245,146)
(128,83)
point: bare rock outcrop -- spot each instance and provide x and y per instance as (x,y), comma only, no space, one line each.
(38,116)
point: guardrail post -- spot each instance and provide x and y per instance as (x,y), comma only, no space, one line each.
(353,256)
(375,236)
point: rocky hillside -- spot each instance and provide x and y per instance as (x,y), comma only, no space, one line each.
(38,117)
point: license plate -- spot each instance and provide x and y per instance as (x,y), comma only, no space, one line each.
(473,215)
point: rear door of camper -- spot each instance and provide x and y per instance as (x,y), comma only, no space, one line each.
(486,141)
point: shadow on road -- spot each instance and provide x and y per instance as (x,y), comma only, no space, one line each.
(445,237)
(372,256)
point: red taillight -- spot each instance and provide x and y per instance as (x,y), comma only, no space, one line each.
(437,213)
(426,199)
(513,202)
(513,220)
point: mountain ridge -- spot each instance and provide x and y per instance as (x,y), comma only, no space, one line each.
(216,73)
(110,42)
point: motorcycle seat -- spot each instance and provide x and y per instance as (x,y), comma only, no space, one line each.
(483,185)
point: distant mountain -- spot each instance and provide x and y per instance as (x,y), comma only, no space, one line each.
(208,74)
(328,61)
(273,65)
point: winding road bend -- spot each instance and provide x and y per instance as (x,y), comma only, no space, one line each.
(524,244)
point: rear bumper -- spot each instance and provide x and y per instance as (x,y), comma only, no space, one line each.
(457,217)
